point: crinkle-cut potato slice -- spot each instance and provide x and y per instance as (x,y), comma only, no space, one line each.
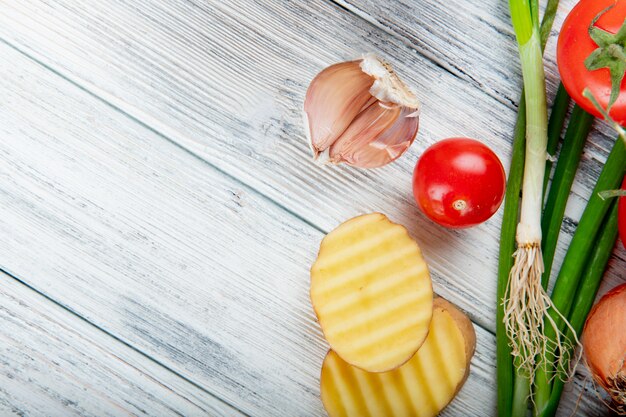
(421,387)
(372,293)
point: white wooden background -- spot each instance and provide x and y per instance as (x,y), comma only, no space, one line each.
(159,209)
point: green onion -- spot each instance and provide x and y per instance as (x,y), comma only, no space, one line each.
(521,393)
(546,23)
(521,388)
(507,232)
(505,262)
(579,250)
(585,296)
(526,302)
(577,131)
(555,124)
(571,270)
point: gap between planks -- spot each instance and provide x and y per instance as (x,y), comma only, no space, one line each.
(52,305)
(482,362)
(168,134)
(217,151)
(121,111)
(452,69)
(152,125)
(146,123)
(205,137)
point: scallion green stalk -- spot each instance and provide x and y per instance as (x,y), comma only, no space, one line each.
(505,262)
(578,253)
(583,302)
(571,270)
(577,131)
(555,123)
(521,393)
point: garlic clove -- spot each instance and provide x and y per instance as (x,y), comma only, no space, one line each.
(365,128)
(360,113)
(387,146)
(334,98)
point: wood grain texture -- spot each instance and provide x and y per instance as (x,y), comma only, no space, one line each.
(52,363)
(151,244)
(130,224)
(226,80)
(454,38)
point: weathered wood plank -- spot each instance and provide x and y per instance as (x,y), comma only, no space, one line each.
(122,52)
(454,37)
(471,39)
(52,363)
(226,80)
(152,245)
(146,241)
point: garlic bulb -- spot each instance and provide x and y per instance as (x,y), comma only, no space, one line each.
(361,113)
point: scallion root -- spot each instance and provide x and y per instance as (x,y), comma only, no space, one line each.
(526,307)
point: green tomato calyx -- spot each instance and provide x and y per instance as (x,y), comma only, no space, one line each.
(609,54)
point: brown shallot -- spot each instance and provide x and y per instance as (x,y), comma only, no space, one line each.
(604,344)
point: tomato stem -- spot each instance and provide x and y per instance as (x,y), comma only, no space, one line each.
(620,131)
(611,194)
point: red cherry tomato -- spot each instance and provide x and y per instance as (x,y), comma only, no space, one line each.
(458,182)
(575,45)
(621,216)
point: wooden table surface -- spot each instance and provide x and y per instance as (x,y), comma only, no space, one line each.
(159,208)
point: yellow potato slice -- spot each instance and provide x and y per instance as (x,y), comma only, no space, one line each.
(372,293)
(421,387)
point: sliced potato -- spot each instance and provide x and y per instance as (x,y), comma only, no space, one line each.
(372,293)
(421,387)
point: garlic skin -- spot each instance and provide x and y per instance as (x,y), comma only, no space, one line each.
(361,113)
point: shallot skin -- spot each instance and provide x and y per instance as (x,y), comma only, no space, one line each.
(604,341)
